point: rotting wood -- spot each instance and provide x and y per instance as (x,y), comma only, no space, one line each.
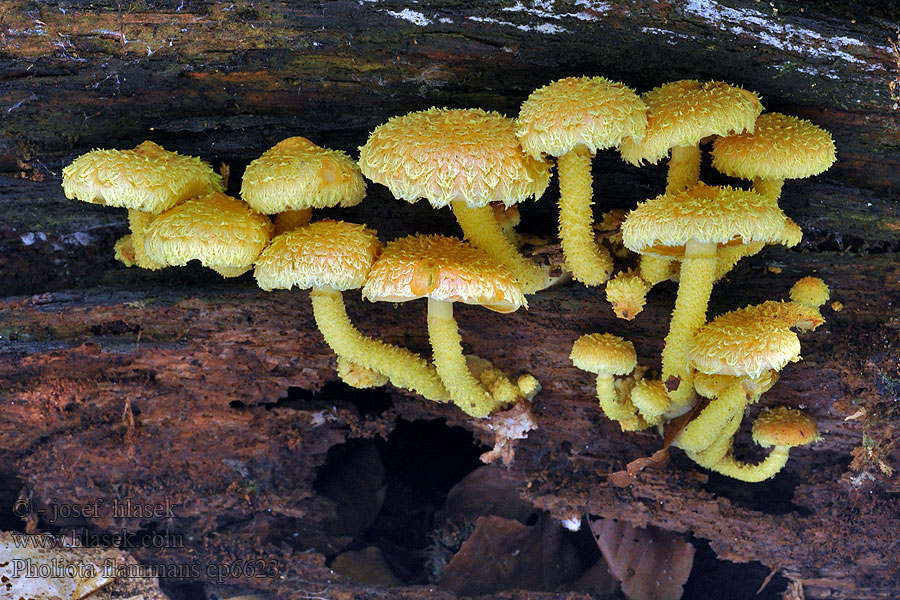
(204,362)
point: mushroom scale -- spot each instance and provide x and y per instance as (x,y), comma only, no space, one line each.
(464,158)
(446,270)
(330,257)
(571,119)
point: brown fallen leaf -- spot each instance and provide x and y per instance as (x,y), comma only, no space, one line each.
(650,563)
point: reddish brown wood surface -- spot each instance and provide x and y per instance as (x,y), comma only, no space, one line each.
(206,364)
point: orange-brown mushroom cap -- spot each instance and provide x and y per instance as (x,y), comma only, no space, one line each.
(147,178)
(329,253)
(593,112)
(216,229)
(704,214)
(603,353)
(446,155)
(442,268)
(779,147)
(295,174)
(782,426)
(682,113)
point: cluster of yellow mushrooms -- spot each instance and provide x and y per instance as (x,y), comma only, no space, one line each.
(481,164)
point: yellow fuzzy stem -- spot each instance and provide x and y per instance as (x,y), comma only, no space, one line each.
(684,168)
(730,255)
(226,271)
(588,263)
(404,368)
(650,399)
(768,188)
(705,429)
(698,270)
(292,219)
(465,391)
(721,447)
(768,468)
(656,268)
(138,220)
(612,408)
(125,251)
(481,228)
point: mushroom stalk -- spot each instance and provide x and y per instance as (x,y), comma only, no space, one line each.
(404,368)
(465,391)
(482,229)
(613,407)
(768,468)
(698,270)
(768,188)
(684,168)
(138,220)
(292,219)
(588,263)
(704,430)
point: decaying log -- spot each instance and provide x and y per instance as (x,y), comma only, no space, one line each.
(219,399)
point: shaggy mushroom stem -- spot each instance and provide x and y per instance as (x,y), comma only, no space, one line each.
(465,391)
(404,368)
(292,219)
(588,263)
(684,168)
(138,220)
(698,271)
(705,429)
(482,229)
(768,188)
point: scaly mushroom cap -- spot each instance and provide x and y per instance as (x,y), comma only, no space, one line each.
(325,253)
(745,342)
(792,234)
(445,155)
(705,214)
(147,178)
(782,426)
(810,291)
(627,293)
(777,314)
(603,354)
(684,112)
(295,174)
(590,111)
(216,229)
(779,147)
(443,268)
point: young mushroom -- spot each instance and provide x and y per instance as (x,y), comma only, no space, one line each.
(744,349)
(221,232)
(779,147)
(811,292)
(571,119)
(294,176)
(446,270)
(467,159)
(329,257)
(146,180)
(683,113)
(691,226)
(780,428)
(608,355)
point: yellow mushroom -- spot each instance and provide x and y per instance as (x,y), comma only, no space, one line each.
(810,291)
(329,257)
(571,119)
(608,355)
(446,270)
(146,180)
(744,349)
(683,113)
(221,232)
(691,225)
(294,176)
(627,293)
(781,429)
(467,159)
(779,147)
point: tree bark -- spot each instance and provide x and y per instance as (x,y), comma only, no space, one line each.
(172,386)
